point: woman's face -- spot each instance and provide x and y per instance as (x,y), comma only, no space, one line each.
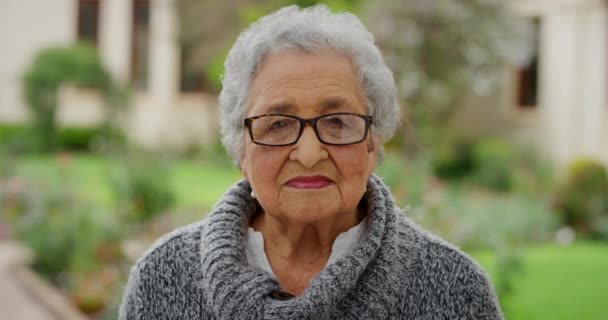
(308,181)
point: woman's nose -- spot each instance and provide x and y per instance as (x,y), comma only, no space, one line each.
(309,150)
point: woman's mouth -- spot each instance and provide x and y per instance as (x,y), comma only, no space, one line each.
(309,182)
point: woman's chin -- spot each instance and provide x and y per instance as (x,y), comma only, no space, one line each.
(311,211)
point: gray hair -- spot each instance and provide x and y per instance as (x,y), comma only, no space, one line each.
(307,30)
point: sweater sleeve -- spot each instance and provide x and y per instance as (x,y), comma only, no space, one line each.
(475,294)
(131,307)
(445,283)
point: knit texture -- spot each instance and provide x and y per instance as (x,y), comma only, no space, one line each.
(397,271)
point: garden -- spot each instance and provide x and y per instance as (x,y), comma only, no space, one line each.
(87,217)
(88,202)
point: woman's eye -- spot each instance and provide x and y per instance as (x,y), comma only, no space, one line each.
(336,122)
(278,125)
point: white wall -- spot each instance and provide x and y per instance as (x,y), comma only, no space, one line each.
(26,26)
(574,81)
(573,77)
(192,120)
(115,31)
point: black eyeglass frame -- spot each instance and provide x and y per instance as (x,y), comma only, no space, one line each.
(313,123)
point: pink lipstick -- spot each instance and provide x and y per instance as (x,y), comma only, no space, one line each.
(309,182)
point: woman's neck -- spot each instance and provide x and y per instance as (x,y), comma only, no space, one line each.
(296,252)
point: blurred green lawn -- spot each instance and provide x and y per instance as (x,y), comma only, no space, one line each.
(557,283)
(197,184)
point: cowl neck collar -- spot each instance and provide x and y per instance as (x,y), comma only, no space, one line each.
(236,290)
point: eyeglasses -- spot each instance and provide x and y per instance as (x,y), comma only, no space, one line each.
(337,129)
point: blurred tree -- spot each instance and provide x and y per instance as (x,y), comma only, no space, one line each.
(444,54)
(582,198)
(209,28)
(78,65)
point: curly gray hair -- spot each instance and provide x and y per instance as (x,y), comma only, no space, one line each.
(307,30)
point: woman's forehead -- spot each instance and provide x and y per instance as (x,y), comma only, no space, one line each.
(324,105)
(290,82)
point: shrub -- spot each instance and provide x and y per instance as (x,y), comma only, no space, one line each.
(63,232)
(453,160)
(494,162)
(74,243)
(78,65)
(9,131)
(17,138)
(407,178)
(582,199)
(532,174)
(77,139)
(484,220)
(142,188)
(51,68)
(12,198)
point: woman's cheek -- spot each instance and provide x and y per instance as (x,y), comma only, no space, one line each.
(267,164)
(352,165)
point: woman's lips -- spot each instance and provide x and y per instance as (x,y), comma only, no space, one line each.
(309,182)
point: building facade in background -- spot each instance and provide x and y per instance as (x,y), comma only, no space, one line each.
(137,40)
(558,102)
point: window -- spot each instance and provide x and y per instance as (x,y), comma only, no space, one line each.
(527,76)
(139,45)
(88,21)
(192,76)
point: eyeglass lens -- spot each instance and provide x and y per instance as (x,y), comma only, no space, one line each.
(333,128)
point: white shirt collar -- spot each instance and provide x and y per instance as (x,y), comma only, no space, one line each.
(344,244)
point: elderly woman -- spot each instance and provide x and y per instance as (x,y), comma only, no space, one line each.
(310,232)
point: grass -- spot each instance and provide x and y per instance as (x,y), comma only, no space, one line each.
(559,282)
(196,184)
(201,185)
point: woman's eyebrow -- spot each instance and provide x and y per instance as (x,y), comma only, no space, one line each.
(326,105)
(332,104)
(281,107)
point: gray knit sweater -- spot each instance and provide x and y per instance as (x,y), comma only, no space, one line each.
(397,271)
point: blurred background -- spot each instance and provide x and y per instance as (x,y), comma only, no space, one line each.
(109,138)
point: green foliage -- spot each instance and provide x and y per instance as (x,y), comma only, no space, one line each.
(78,65)
(453,160)
(17,138)
(142,188)
(496,221)
(334,5)
(208,47)
(532,174)
(63,232)
(494,161)
(22,139)
(408,179)
(215,153)
(493,164)
(446,55)
(215,69)
(74,241)
(97,177)
(77,139)
(582,198)
(9,131)
(508,266)
(472,219)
